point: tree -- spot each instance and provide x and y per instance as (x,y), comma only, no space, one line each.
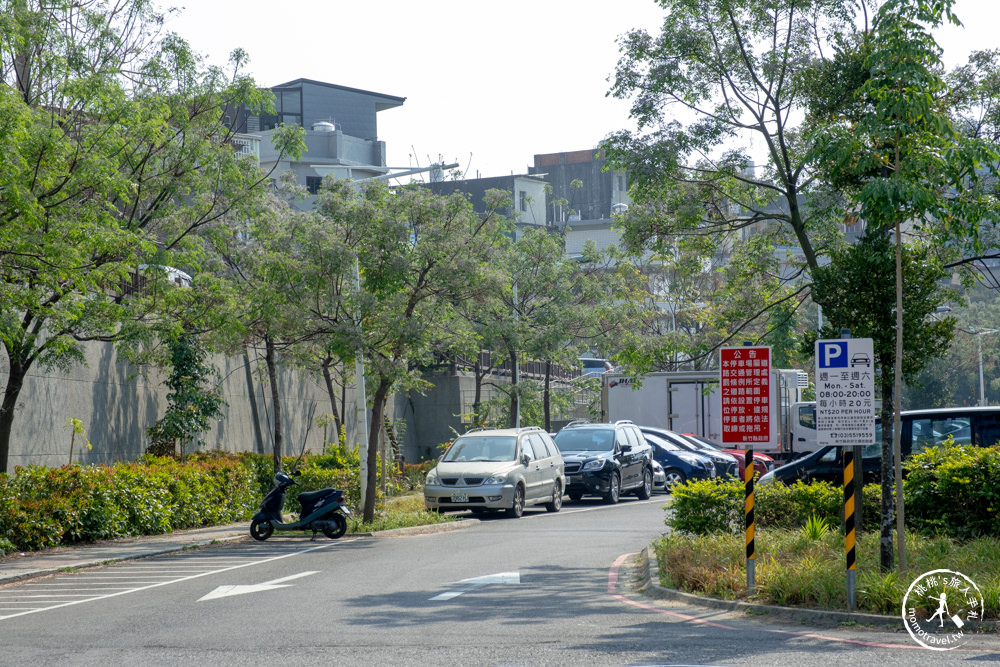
(418,254)
(900,161)
(116,160)
(192,402)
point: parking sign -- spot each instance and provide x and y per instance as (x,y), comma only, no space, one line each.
(845,392)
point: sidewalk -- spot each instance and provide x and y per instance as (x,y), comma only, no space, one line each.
(36,564)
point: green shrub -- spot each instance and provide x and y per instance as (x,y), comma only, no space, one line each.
(701,507)
(717,506)
(954,490)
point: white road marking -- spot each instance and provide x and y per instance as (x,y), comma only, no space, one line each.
(479,582)
(226,591)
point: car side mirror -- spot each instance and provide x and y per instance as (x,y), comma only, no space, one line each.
(626,448)
(525,460)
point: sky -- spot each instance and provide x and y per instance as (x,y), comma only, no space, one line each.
(487,85)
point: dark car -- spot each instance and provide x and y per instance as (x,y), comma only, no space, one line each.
(919,429)
(605,460)
(679,464)
(725,464)
(762,463)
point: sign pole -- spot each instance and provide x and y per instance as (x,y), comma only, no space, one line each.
(750,529)
(849,529)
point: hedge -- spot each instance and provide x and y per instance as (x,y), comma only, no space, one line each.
(43,507)
(954,491)
(717,506)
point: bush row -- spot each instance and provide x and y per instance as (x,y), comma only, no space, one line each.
(717,506)
(47,507)
(950,491)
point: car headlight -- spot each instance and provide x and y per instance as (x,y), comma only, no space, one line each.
(766,478)
(432,478)
(495,479)
(594,464)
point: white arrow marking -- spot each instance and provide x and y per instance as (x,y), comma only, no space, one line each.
(478,582)
(225,591)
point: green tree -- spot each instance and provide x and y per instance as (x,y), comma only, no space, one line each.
(900,161)
(193,401)
(116,159)
(418,254)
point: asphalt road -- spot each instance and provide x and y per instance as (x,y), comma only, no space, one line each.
(547,589)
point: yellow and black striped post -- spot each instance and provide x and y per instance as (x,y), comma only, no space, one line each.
(849,528)
(748,508)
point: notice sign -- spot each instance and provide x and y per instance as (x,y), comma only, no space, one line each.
(845,392)
(745,385)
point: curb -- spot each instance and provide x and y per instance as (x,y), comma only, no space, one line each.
(648,587)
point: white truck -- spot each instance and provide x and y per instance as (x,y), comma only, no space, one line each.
(688,402)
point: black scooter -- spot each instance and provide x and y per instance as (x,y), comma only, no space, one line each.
(321,510)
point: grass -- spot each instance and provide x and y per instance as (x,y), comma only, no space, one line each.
(400,512)
(793,569)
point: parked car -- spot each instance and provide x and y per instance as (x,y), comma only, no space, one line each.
(501,469)
(725,464)
(919,429)
(605,460)
(679,464)
(762,463)
(593,367)
(659,477)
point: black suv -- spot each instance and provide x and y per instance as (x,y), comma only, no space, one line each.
(606,460)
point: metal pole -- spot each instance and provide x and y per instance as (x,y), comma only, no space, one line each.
(982,387)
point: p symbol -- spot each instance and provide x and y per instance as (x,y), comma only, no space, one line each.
(833,354)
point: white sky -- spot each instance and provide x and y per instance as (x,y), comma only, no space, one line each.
(487,85)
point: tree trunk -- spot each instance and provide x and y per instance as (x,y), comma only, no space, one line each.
(887,477)
(378,412)
(546,403)
(328,379)
(477,372)
(514,398)
(15,382)
(272,377)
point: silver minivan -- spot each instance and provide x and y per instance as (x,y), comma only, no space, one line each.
(497,469)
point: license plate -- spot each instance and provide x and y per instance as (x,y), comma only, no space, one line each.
(573,479)
(460,497)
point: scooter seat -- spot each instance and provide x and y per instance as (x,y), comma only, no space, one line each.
(310,497)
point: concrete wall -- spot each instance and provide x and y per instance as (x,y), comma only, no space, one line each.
(117,404)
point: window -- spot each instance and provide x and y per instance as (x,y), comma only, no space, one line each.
(313,184)
(527,450)
(807,416)
(523,196)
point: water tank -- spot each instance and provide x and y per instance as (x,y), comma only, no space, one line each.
(323,126)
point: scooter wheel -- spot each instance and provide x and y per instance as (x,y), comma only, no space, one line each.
(261,529)
(341,528)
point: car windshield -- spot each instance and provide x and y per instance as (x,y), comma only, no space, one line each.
(662,443)
(482,448)
(585,440)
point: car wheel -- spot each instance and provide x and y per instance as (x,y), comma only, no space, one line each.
(614,490)
(517,507)
(556,503)
(575,496)
(674,477)
(646,490)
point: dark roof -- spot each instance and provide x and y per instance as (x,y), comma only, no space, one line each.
(387,101)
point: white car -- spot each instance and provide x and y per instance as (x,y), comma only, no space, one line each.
(500,469)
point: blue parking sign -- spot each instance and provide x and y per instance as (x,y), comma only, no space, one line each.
(831,354)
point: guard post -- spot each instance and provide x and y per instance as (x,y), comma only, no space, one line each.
(849,528)
(748,472)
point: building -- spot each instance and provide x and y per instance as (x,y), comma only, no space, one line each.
(527,193)
(341,131)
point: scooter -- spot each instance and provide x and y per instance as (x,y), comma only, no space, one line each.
(321,510)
